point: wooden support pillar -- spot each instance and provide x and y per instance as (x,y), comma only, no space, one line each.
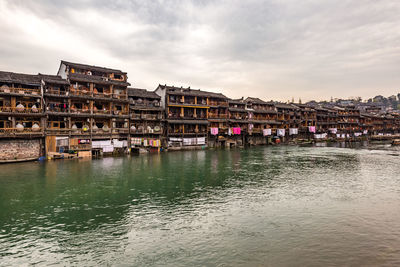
(13,102)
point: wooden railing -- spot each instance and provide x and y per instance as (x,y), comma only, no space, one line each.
(135,116)
(144,131)
(56,92)
(103,95)
(216,103)
(217,116)
(59,130)
(13,131)
(57,109)
(186,116)
(150,116)
(19,110)
(20,90)
(120,130)
(187,132)
(78,111)
(101,111)
(120,112)
(120,96)
(80,92)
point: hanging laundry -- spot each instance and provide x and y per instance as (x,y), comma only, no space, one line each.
(230,131)
(214,131)
(311,129)
(293,131)
(365,132)
(267,132)
(201,140)
(236,130)
(333,130)
(280,132)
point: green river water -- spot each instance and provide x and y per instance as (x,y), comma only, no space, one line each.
(262,206)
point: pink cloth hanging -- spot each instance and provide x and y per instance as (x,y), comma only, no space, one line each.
(236,130)
(311,129)
(214,131)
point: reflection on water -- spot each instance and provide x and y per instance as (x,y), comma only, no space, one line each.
(260,206)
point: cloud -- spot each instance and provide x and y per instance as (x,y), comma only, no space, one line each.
(269,49)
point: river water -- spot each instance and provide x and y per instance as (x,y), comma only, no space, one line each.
(274,206)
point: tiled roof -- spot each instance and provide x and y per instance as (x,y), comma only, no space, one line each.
(191,92)
(94,79)
(54,79)
(257,101)
(91,67)
(142,93)
(27,79)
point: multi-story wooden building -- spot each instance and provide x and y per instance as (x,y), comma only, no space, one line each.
(98,107)
(308,118)
(288,115)
(146,118)
(187,114)
(261,115)
(21,116)
(348,119)
(237,119)
(326,119)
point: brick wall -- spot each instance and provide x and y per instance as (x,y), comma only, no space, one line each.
(19,149)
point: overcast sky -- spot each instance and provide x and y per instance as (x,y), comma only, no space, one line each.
(275,49)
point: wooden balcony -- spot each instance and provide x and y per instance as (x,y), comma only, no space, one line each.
(20,110)
(80,92)
(219,104)
(120,130)
(21,91)
(80,111)
(135,116)
(217,116)
(101,112)
(56,92)
(120,112)
(145,131)
(103,95)
(120,96)
(186,116)
(18,132)
(172,133)
(58,131)
(151,117)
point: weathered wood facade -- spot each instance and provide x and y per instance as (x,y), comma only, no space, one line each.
(88,108)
